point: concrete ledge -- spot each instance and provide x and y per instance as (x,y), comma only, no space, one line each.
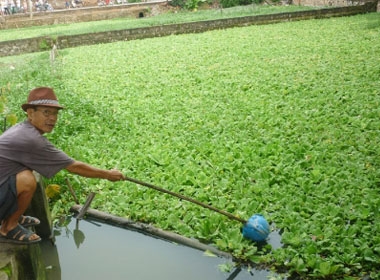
(12,263)
(24,262)
(151,230)
(39,207)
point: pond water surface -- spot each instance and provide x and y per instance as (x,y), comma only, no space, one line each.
(93,250)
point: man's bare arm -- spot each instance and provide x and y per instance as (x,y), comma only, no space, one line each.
(86,170)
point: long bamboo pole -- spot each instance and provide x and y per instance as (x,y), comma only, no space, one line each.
(229,215)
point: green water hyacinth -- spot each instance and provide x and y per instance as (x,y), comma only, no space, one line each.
(278,119)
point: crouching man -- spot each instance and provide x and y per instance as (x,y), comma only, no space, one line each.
(24,149)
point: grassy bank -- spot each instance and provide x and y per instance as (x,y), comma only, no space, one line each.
(125,23)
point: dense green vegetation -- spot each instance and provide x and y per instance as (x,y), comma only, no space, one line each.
(280,119)
(125,23)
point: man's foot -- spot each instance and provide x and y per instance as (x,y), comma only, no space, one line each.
(19,235)
(28,221)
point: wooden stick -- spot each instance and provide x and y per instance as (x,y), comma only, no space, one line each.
(72,191)
(86,205)
(229,215)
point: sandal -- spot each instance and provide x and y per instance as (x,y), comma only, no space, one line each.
(19,235)
(28,221)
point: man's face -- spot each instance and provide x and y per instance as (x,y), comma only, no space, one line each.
(43,118)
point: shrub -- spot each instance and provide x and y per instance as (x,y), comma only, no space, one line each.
(6,115)
(234,3)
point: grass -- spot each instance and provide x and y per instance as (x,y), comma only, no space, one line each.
(126,23)
(279,119)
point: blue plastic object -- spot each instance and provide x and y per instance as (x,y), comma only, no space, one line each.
(256,228)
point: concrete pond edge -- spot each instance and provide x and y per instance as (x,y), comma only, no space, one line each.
(150,230)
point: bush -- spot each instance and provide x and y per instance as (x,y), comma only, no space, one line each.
(6,115)
(187,4)
(233,3)
(178,3)
(229,3)
(194,4)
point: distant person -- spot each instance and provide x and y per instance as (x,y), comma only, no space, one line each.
(6,7)
(12,6)
(48,6)
(24,149)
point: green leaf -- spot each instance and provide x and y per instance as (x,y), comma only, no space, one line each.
(209,254)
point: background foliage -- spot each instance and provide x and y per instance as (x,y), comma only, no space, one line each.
(281,120)
(194,4)
(6,115)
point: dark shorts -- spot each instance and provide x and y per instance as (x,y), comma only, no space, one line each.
(8,198)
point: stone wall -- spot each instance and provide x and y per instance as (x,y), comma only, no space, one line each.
(17,47)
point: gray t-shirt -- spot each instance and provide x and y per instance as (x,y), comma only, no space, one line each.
(23,147)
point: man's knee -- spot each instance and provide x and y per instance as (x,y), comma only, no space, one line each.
(25,181)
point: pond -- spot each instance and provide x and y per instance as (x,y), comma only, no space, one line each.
(89,249)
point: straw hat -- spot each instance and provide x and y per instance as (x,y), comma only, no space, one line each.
(41,96)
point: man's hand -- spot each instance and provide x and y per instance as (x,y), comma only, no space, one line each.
(86,170)
(115,175)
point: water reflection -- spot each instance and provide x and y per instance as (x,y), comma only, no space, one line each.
(92,250)
(78,235)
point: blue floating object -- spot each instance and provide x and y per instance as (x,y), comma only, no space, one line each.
(256,228)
